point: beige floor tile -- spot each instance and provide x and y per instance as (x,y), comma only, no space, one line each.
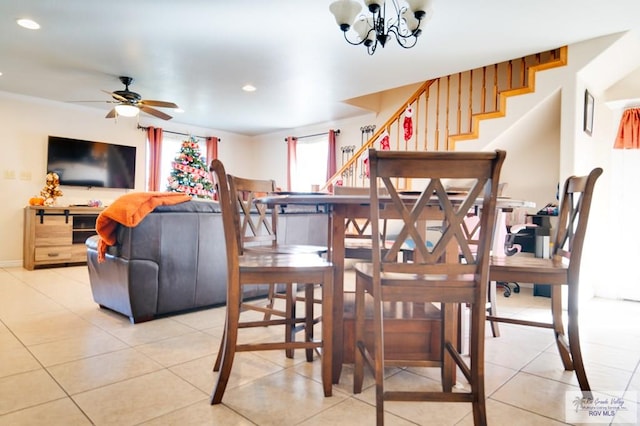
(350,412)
(247,367)
(27,390)
(52,326)
(610,380)
(97,371)
(180,349)
(200,414)
(502,352)
(610,356)
(14,360)
(145,332)
(62,412)
(279,399)
(499,414)
(535,394)
(417,412)
(139,399)
(18,302)
(204,319)
(92,342)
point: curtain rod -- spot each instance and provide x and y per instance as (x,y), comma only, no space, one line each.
(316,134)
(178,133)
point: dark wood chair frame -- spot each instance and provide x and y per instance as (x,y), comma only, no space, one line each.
(256,269)
(435,275)
(562,269)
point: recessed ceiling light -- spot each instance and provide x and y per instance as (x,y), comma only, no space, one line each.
(249,88)
(28,23)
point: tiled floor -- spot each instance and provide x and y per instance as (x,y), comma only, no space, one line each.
(64,361)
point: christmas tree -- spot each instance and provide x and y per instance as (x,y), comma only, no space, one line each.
(190,173)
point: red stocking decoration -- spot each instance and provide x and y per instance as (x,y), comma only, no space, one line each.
(408,123)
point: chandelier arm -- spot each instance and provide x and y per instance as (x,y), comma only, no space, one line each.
(354,43)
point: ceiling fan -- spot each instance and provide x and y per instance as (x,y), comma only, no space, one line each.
(130,103)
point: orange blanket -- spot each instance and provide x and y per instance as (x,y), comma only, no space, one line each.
(129,210)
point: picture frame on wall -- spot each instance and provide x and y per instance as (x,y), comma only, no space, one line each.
(588,113)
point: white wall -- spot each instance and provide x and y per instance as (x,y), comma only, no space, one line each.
(26,124)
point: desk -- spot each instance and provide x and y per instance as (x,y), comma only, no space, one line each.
(339,208)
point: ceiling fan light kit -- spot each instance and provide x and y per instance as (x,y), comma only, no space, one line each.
(131,103)
(127,110)
(372,27)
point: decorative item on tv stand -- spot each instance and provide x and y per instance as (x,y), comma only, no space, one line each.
(49,193)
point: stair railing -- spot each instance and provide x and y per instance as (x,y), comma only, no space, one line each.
(448,110)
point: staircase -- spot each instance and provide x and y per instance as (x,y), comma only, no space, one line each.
(448,110)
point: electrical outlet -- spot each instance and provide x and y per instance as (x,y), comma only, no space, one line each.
(25,175)
(9,174)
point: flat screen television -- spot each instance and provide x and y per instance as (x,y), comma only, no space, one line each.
(91,164)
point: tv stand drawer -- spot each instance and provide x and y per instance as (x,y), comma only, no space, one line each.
(53,254)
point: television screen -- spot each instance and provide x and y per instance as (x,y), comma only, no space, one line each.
(88,164)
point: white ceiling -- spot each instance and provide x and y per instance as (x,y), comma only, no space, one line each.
(199,53)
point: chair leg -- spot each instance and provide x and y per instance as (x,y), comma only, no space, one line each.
(477,365)
(378,350)
(327,333)
(271,297)
(230,339)
(216,365)
(493,308)
(574,344)
(309,317)
(449,334)
(561,340)
(358,362)
(290,324)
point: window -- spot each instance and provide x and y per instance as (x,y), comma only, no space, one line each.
(311,165)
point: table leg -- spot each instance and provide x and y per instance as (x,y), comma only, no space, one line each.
(337,230)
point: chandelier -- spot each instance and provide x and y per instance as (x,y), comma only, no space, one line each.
(376,26)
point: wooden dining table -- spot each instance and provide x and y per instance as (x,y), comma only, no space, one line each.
(339,208)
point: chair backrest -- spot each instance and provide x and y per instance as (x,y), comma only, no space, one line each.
(451,255)
(573,217)
(258,224)
(230,218)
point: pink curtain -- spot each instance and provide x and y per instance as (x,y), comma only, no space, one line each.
(292,143)
(629,130)
(331,158)
(212,148)
(154,138)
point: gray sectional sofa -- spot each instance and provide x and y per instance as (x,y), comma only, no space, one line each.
(174,260)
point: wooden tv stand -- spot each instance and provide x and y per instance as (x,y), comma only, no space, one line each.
(56,235)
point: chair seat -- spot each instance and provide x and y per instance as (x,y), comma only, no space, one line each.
(287,249)
(525,267)
(281,261)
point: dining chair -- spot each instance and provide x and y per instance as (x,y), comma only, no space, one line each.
(251,269)
(259,234)
(562,269)
(436,274)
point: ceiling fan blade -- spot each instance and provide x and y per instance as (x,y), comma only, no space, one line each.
(155,112)
(116,96)
(161,104)
(111,114)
